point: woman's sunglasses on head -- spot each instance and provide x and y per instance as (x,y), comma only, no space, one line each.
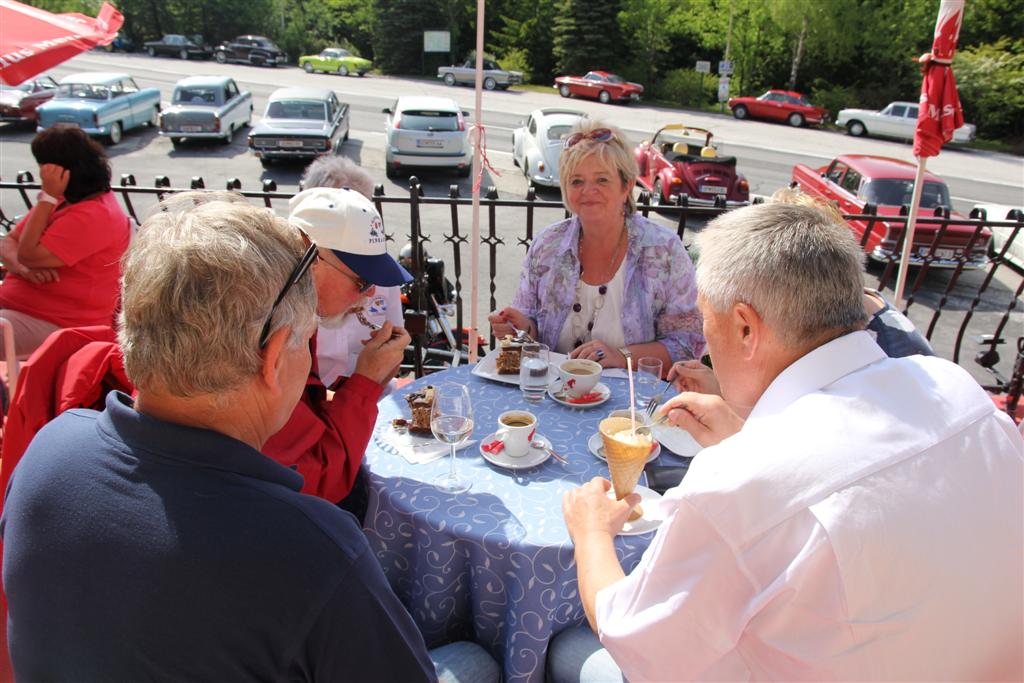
(598,135)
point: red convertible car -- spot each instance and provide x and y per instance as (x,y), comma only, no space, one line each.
(683,160)
(599,85)
(779,105)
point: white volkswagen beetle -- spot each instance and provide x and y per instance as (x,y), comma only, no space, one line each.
(537,145)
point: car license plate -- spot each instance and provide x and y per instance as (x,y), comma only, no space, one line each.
(429,143)
(713,189)
(191,129)
(291,143)
(945,253)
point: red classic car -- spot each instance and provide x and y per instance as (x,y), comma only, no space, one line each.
(19,102)
(779,105)
(855,180)
(683,160)
(599,85)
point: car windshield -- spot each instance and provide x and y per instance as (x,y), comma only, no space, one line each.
(890,192)
(557,133)
(195,96)
(315,111)
(420,119)
(87,91)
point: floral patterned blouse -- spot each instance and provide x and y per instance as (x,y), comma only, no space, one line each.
(660,288)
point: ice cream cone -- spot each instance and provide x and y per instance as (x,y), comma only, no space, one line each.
(625,460)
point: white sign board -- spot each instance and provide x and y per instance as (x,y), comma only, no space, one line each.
(703,67)
(725,67)
(723,89)
(437,41)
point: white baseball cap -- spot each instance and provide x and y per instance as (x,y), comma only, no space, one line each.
(348,224)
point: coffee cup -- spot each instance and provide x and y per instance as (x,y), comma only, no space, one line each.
(516,429)
(579,376)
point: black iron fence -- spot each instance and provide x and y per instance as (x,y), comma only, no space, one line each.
(963,310)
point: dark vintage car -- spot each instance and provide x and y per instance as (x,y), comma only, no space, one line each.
(854,181)
(300,123)
(255,50)
(682,160)
(599,85)
(182,47)
(18,103)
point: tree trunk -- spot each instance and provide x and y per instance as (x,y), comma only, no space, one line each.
(798,54)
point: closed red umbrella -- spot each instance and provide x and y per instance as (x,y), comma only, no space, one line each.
(937,117)
(33,40)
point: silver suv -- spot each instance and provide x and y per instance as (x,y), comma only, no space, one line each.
(428,132)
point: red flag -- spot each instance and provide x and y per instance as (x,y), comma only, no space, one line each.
(33,40)
(940,113)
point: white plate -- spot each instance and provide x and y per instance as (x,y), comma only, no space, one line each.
(555,388)
(677,440)
(596,445)
(533,457)
(487,367)
(652,513)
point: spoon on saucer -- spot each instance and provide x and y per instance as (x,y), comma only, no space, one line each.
(540,445)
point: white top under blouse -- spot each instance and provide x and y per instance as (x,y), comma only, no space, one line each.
(338,348)
(607,325)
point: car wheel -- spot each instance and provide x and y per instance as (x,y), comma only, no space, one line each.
(342,70)
(347,131)
(656,197)
(856,129)
(183,54)
(308,67)
(563,90)
(266,163)
(603,97)
(796,120)
(177,142)
(449,79)
(489,83)
(226,140)
(390,171)
(151,51)
(464,172)
(256,60)
(740,112)
(220,57)
(116,133)
(154,118)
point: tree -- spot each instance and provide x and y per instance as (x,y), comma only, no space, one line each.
(586,36)
(649,25)
(397,29)
(526,27)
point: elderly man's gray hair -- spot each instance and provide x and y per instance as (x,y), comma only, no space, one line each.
(337,172)
(197,288)
(797,266)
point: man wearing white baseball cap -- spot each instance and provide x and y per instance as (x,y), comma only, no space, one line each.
(325,438)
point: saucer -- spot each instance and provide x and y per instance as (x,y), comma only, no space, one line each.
(652,513)
(596,445)
(556,394)
(677,440)
(533,457)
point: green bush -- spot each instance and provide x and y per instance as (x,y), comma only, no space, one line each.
(834,97)
(517,59)
(990,79)
(683,86)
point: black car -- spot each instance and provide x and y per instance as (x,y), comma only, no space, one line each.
(255,50)
(183,47)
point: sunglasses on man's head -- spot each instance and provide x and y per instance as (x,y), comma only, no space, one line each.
(297,272)
(362,285)
(598,135)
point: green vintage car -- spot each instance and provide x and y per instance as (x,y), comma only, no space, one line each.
(336,60)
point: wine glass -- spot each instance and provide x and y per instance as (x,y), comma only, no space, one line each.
(451,421)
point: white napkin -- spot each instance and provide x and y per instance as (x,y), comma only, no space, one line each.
(417,449)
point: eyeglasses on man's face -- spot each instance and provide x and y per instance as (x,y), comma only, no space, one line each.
(297,272)
(362,285)
(598,135)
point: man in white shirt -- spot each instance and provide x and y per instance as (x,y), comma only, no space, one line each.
(854,517)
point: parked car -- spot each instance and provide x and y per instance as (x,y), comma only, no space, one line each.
(779,105)
(601,86)
(101,104)
(854,181)
(300,123)
(682,159)
(255,50)
(182,47)
(897,120)
(537,145)
(426,131)
(18,103)
(205,108)
(494,76)
(1001,235)
(336,60)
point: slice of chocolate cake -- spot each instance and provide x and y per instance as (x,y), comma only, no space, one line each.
(508,360)
(420,403)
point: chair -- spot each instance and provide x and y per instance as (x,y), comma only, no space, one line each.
(708,152)
(680,148)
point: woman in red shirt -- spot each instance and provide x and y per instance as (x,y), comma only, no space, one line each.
(64,258)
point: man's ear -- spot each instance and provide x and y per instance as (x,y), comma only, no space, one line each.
(748,328)
(273,356)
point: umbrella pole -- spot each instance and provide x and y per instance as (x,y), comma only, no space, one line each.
(474,250)
(908,238)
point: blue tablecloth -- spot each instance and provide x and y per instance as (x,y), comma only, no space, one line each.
(494,565)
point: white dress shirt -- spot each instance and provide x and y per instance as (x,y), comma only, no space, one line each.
(338,348)
(865,525)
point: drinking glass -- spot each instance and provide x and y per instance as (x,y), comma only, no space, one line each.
(647,381)
(451,421)
(533,371)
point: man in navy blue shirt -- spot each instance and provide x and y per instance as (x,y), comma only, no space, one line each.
(154,541)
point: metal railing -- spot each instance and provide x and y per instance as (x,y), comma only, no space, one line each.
(988,298)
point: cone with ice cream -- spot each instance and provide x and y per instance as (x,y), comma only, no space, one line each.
(627,454)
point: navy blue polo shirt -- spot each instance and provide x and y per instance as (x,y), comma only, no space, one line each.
(136,549)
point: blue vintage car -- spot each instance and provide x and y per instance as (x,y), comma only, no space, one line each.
(101,104)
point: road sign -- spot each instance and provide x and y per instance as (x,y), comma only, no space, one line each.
(703,67)
(725,67)
(723,88)
(437,41)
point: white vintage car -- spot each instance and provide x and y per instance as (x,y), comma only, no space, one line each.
(898,120)
(1002,235)
(206,108)
(537,145)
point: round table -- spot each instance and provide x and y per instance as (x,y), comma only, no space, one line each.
(495,564)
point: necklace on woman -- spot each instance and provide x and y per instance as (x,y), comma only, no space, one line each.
(584,332)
